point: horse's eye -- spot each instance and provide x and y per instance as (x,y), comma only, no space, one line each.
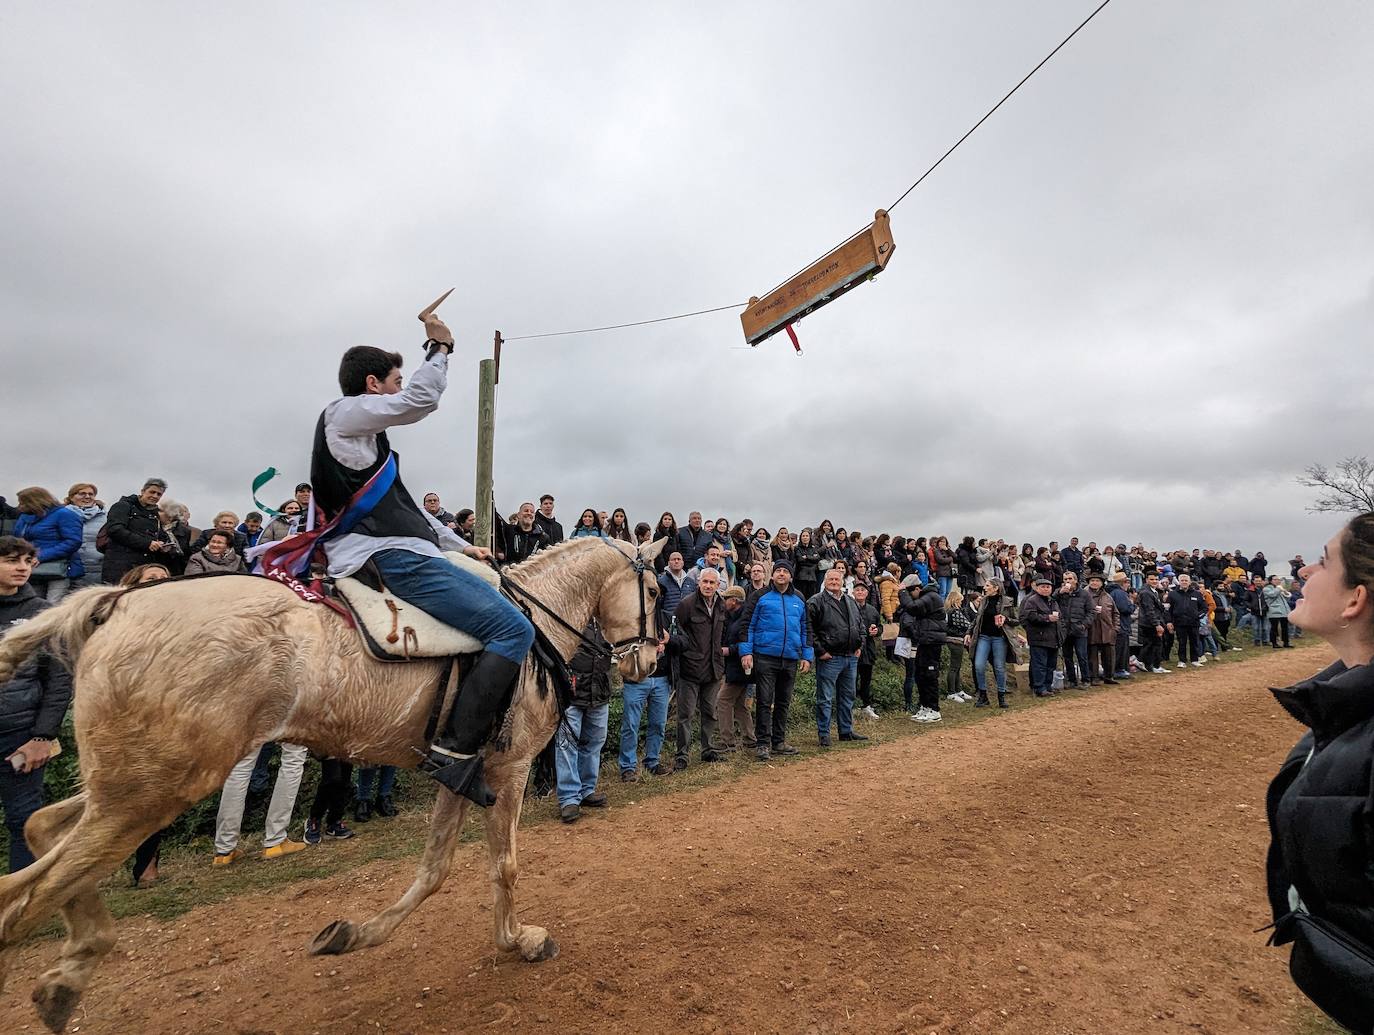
(653,593)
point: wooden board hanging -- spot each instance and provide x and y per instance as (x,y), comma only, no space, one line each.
(860,258)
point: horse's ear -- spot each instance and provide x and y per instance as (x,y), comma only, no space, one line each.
(623,547)
(650,551)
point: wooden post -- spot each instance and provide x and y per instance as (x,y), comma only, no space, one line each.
(486,440)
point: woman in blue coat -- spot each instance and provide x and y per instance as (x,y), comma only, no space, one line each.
(56,531)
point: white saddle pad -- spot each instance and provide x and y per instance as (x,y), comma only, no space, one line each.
(396,630)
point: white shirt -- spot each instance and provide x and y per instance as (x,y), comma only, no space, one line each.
(351,426)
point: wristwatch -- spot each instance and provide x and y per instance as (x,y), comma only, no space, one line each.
(433,345)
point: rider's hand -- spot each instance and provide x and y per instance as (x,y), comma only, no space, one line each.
(437,330)
(478,553)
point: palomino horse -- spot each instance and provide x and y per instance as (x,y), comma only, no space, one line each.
(183,679)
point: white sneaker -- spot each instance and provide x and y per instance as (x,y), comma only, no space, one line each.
(1183,664)
(1135,662)
(1160,671)
(869,713)
(965,696)
(1203,660)
(931,715)
(1196,664)
(1236,650)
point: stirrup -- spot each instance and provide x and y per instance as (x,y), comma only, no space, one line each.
(462,774)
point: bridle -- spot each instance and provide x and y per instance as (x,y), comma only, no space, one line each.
(617,651)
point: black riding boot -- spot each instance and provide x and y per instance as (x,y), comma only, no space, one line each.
(1002,700)
(455,759)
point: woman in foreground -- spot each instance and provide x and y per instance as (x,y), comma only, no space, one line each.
(1321,805)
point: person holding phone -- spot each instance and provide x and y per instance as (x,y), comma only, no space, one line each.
(32,704)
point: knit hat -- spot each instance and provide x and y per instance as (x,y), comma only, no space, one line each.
(734,593)
(783,563)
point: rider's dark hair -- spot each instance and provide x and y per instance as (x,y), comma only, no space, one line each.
(13,546)
(362,360)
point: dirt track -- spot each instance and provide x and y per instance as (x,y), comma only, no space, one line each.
(1089,866)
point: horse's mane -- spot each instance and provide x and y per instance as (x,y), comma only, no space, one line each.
(536,563)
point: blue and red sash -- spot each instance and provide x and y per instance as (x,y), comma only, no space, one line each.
(291,556)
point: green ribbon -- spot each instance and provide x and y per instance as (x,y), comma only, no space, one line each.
(258,483)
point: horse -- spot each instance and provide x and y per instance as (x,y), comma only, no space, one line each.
(176,682)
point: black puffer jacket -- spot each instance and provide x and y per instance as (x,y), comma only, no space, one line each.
(1075,612)
(1186,607)
(1321,856)
(131,528)
(33,703)
(1152,611)
(591,671)
(921,616)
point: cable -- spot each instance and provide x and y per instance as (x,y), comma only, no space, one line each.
(620,326)
(919,180)
(999,104)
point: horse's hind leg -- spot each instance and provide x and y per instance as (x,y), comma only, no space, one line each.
(42,831)
(444,824)
(93,848)
(533,943)
(90,928)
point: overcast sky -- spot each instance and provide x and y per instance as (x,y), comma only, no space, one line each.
(1131,307)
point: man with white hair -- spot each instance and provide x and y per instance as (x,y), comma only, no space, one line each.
(697,635)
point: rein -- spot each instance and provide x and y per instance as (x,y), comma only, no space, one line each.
(617,650)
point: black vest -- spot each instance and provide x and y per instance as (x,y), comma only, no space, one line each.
(334,484)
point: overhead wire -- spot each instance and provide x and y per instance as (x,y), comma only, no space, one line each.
(919,180)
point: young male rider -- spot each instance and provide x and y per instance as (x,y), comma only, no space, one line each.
(406,544)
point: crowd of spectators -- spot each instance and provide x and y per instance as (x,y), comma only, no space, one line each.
(744,611)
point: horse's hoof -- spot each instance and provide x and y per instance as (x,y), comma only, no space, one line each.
(55,1003)
(544,950)
(334,940)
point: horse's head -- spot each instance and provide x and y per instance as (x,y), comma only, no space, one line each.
(626,610)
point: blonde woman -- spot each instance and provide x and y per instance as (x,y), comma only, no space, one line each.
(959,615)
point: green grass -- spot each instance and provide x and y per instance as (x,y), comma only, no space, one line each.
(188,880)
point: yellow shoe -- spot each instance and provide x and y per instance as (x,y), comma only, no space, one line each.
(287,847)
(225,858)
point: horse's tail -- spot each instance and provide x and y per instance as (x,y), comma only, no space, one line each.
(63,629)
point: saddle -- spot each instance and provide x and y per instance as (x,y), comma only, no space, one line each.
(392,629)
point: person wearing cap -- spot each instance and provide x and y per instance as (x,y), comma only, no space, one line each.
(1040,616)
(1124,610)
(732,705)
(1075,618)
(777,640)
(1101,633)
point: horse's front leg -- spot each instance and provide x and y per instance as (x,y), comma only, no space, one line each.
(444,825)
(533,943)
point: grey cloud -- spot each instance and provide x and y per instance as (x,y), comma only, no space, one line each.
(1135,303)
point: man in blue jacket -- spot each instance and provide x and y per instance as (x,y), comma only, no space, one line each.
(776,639)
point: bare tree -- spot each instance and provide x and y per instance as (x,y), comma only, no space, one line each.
(1350,487)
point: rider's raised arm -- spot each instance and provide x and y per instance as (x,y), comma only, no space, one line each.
(357,415)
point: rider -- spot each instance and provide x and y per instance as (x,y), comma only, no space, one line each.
(353,466)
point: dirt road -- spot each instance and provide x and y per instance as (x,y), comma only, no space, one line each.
(1086,866)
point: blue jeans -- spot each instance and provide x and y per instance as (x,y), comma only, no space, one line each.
(1042,668)
(457,598)
(577,751)
(836,679)
(996,648)
(385,776)
(654,693)
(21,794)
(945,582)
